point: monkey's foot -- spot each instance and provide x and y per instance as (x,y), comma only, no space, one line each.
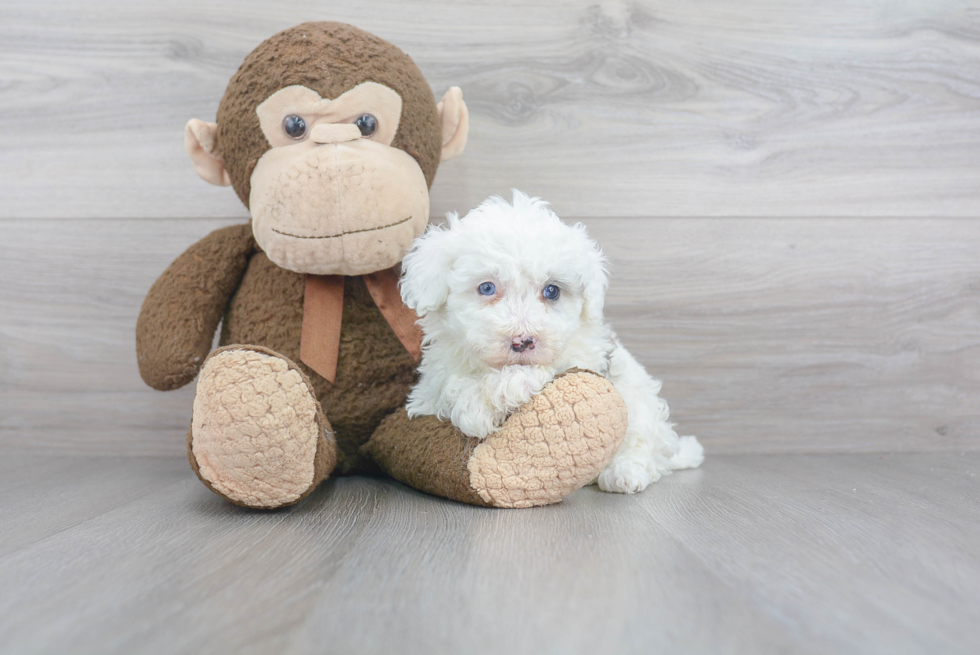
(554,444)
(258,437)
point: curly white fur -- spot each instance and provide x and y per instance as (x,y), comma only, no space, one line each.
(485,355)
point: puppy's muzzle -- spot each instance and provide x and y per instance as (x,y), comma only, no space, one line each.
(520,344)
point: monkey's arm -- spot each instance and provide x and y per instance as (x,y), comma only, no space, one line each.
(181,312)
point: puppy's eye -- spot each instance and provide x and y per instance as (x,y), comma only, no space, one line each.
(487,289)
(294,126)
(367,124)
(551,292)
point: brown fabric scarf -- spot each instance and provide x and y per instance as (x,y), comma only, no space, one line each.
(323,311)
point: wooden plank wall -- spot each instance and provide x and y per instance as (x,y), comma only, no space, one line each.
(788,191)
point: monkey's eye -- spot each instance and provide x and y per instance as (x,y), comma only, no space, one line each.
(294,126)
(367,124)
(487,289)
(551,292)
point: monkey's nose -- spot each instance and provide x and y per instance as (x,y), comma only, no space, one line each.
(520,344)
(324,133)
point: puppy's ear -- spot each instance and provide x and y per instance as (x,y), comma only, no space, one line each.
(595,295)
(595,278)
(424,286)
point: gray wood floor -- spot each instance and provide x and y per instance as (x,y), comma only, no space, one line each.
(851,553)
(789,194)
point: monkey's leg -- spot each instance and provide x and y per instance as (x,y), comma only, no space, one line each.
(258,437)
(555,443)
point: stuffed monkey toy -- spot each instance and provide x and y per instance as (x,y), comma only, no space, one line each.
(331,137)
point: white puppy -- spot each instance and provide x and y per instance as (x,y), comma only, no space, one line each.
(509,297)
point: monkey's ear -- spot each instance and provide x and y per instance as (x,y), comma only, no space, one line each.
(455,121)
(201,144)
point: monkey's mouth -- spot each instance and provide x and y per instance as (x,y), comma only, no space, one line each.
(340,234)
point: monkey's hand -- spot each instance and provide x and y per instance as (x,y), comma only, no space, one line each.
(554,444)
(184,306)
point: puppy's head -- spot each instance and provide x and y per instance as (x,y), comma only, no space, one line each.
(509,283)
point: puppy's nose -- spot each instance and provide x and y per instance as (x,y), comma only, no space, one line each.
(522,343)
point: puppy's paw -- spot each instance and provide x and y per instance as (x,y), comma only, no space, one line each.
(515,385)
(626,476)
(477,422)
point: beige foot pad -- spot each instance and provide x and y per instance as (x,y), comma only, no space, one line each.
(558,442)
(257,437)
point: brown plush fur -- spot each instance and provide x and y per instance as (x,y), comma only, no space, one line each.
(329,58)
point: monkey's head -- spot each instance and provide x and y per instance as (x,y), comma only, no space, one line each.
(331,137)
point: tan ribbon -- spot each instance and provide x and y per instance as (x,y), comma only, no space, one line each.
(383,287)
(323,311)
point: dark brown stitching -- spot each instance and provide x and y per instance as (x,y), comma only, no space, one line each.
(334,236)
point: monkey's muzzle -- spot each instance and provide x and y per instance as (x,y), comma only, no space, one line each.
(343,208)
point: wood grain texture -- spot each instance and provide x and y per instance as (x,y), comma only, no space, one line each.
(751,554)
(771,335)
(649,108)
